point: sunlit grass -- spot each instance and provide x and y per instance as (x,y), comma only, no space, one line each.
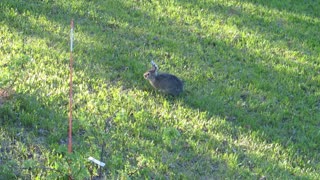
(250,108)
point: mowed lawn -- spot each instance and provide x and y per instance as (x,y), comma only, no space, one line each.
(250,108)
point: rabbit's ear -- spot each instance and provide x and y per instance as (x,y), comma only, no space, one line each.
(154,66)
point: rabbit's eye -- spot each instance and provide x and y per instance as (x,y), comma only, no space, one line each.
(146,75)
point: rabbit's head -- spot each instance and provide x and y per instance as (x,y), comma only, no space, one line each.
(152,73)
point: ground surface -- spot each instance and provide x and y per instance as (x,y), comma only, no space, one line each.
(250,110)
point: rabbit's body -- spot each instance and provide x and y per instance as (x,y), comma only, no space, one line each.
(164,82)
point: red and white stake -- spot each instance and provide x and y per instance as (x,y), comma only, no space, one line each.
(70,89)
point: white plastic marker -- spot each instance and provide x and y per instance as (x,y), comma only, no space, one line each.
(71,36)
(96,161)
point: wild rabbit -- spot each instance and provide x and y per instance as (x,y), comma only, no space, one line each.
(164,82)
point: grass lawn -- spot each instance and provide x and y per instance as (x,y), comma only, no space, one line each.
(250,109)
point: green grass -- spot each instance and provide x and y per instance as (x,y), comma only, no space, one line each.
(250,110)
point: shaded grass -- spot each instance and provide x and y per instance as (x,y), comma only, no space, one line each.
(250,109)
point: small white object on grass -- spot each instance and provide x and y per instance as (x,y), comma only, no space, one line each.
(96,161)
